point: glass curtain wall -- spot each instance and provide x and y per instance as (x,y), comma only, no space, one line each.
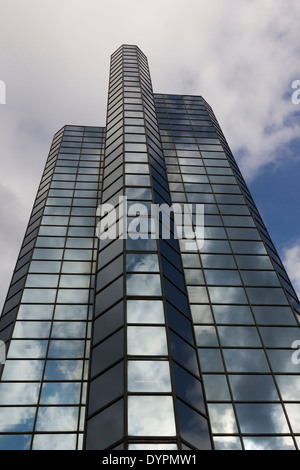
(243,317)
(44,381)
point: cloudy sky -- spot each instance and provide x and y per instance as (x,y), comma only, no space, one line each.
(241,55)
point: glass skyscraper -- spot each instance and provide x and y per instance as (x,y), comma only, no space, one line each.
(140,341)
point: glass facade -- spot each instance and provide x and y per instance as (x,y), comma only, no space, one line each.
(136,340)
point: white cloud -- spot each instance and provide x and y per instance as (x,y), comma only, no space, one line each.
(291,261)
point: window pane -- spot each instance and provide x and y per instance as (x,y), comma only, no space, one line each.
(145,311)
(147,341)
(138,284)
(150,415)
(250,418)
(149,376)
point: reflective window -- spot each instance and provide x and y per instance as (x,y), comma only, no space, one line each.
(206,336)
(54,418)
(63,370)
(17,419)
(245,360)
(35,312)
(239,336)
(275,337)
(227,443)
(289,387)
(31,329)
(227,295)
(216,388)
(210,360)
(271,296)
(68,329)
(147,340)
(27,349)
(142,262)
(23,370)
(39,296)
(149,376)
(41,280)
(141,284)
(149,415)
(222,418)
(54,442)
(268,443)
(233,314)
(224,277)
(218,261)
(145,311)
(61,393)
(253,388)
(19,393)
(250,418)
(66,349)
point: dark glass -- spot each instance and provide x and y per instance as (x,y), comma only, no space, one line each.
(111,419)
(106,388)
(193,427)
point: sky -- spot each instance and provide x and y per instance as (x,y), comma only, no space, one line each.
(242,56)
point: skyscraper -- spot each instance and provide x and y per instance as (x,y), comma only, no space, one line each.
(118,337)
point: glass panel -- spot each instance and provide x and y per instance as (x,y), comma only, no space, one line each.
(19,393)
(283,337)
(222,418)
(150,415)
(39,296)
(63,370)
(23,370)
(139,284)
(216,388)
(245,360)
(227,443)
(271,296)
(149,376)
(142,262)
(289,387)
(54,418)
(147,341)
(31,329)
(41,280)
(145,311)
(193,427)
(17,419)
(268,443)
(253,388)
(227,295)
(61,393)
(206,336)
(293,411)
(233,314)
(188,387)
(15,442)
(25,349)
(66,349)
(210,360)
(239,336)
(224,277)
(54,442)
(250,418)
